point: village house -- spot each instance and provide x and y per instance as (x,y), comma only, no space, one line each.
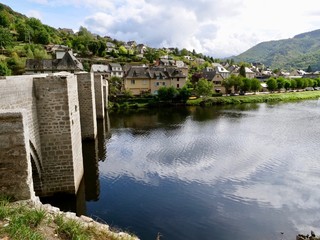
(235,70)
(65,61)
(101,69)
(216,74)
(110,47)
(141,49)
(141,79)
(116,70)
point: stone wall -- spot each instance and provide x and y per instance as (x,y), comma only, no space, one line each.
(15,156)
(60,133)
(58,111)
(87,103)
(99,84)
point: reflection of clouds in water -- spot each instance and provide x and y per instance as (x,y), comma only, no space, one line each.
(212,152)
(258,157)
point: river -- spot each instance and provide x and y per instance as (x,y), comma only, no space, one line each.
(234,172)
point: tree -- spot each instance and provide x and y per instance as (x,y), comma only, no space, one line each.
(4,70)
(246,87)
(237,82)
(301,83)
(272,84)
(255,85)
(16,64)
(115,85)
(204,88)
(4,19)
(122,50)
(228,84)
(309,70)
(6,38)
(280,83)
(184,93)
(242,71)
(293,83)
(287,84)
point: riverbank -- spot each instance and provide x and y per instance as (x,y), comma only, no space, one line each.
(255,98)
(33,220)
(211,101)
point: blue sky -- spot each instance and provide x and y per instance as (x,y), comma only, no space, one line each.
(213,27)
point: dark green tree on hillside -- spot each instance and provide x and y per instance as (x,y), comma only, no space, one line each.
(309,70)
(4,70)
(6,38)
(242,71)
(5,19)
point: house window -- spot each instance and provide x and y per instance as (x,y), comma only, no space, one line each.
(157,83)
(163,83)
(133,82)
(178,85)
(177,79)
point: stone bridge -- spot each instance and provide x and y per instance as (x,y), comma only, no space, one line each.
(43,120)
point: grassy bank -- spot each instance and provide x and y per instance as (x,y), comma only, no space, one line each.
(258,98)
(25,221)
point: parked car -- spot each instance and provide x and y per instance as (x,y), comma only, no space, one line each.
(316,88)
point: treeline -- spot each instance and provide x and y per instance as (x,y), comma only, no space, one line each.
(277,84)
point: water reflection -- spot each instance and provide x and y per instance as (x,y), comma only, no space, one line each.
(244,172)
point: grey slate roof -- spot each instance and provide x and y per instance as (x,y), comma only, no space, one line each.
(100,68)
(67,63)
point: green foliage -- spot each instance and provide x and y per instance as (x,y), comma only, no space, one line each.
(204,88)
(246,87)
(70,229)
(300,52)
(272,84)
(255,85)
(242,71)
(4,70)
(228,83)
(16,64)
(167,93)
(115,85)
(280,83)
(6,38)
(184,93)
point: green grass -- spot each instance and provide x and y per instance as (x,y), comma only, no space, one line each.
(21,222)
(258,98)
(70,229)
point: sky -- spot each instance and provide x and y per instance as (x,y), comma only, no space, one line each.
(213,27)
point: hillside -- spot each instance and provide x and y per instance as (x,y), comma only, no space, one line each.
(301,51)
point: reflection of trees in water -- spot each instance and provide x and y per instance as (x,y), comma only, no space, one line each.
(143,120)
(201,114)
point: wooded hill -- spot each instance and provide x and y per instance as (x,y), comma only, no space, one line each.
(299,52)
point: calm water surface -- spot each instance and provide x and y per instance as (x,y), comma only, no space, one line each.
(236,172)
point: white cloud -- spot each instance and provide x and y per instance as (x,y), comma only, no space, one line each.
(216,28)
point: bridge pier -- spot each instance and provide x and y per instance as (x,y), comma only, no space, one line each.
(87,105)
(60,133)
(15,161)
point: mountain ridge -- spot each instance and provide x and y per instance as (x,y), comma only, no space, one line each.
(299,52)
